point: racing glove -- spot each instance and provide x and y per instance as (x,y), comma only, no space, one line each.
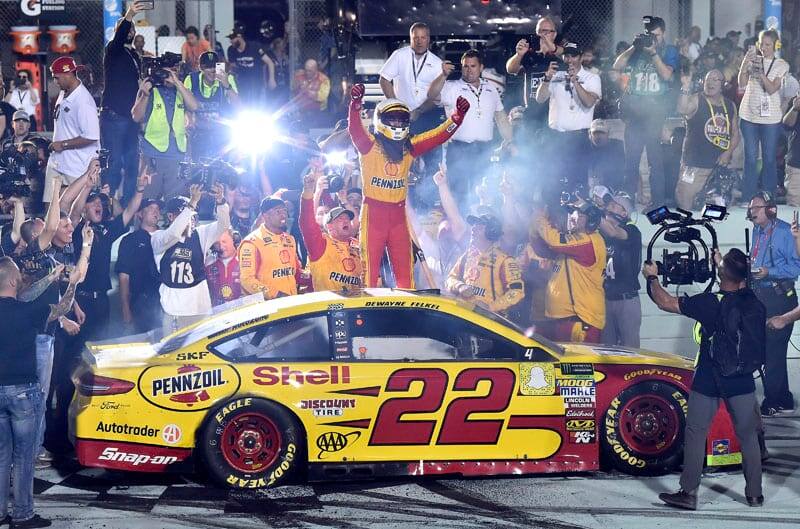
(462,106)
(356,95)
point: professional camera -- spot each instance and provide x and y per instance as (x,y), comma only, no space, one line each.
(680,227)
(34,264)
(15,168)
(209,172)
(154,69)
(645,40)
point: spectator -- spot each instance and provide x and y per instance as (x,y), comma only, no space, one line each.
(248,61)
(733,38)
(469,152)
(621,285)
(138,47)
(311,89)
(752,41)
(761,113)
(210,34)
(24,96)
(121,67)
(694,48)
(606,157)
(193,48)
(216,96)
(485,275)
(573,95)
(180,251)
(589,62)
(334,257)
(575,301)
(792,180)
(138,273)
(645,107)
(280,84)
(6,115)
(160,110)
(712,134)
(21,391)
(22,128)
(76,133)
(223,273)
(10,235)
(774,270)
(268,256)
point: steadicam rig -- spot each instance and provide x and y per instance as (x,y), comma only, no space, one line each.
(696,264)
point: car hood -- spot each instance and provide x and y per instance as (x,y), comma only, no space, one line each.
(611,354)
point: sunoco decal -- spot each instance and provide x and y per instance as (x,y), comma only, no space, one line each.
(188,387)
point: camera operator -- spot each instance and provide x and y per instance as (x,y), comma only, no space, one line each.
(646,104)
(121,67)
(19,324)
(712,134)
(334,256)
(469,151)
(573,95)
(138,273)
(775,267)
(485,275)
(710,382)
(24,96)
(180,251)
(76,133)
(575,297)
(160,108)
(216,95)
(621,285)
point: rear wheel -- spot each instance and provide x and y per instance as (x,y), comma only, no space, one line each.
(644,428)
(251,443)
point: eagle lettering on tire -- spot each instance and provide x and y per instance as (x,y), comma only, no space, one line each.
(251,443)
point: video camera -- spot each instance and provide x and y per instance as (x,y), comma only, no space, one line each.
(645,40)
(680,227)
(155,69)
(15,168)
(209,172)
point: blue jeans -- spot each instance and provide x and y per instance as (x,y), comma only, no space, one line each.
(44,370)
(19,406)
(754,134)
(119,134)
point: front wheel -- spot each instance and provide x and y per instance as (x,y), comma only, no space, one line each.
(644,428)
(251,443)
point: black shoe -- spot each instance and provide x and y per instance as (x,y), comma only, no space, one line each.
(757,501)
(36,521)
(680,499)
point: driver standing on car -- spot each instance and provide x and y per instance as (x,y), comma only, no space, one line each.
(709,386)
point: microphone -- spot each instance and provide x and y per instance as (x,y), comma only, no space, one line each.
(748,215)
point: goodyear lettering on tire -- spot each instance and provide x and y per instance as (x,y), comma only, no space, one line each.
(611,437)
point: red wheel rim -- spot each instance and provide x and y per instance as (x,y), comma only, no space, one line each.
(649,424)
(250,442)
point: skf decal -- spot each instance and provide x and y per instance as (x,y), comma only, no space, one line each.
(328,407)
(580,425)
(652,372)
(579,438)
(537,378)
(188,357)
(335,442)
(188,387)
(284,375)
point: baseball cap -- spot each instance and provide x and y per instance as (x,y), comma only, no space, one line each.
(572,48)
(599,125)
(733,33)
(271,203)
(64,64)
(176,204)
(236,32)
(208,60)
(624,200)
(20,115)
(149,202)
(337,212)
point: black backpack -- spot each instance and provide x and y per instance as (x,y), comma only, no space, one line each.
(738,343)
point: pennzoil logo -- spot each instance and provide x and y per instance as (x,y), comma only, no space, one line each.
(331,442)
(188,387)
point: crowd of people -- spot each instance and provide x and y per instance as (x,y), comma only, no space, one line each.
(532,220)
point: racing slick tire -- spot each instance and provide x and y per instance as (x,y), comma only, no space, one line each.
(250,443)
(643,430)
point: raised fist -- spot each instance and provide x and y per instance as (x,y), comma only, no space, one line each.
(462,106)
(357,92)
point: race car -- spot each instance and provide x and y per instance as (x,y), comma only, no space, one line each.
(382,382)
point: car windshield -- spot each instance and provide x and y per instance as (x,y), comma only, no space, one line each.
(557,349)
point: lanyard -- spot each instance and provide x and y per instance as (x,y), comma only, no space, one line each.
(714,115)
(21,96)
(476,94)
(770,67)
(414,70)
(757,244)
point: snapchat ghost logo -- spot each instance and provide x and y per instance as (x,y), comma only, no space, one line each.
(537,379)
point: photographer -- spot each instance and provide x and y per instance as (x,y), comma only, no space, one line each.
(712,134)
(534,61)
(160,108)
(19,322)
(76,133)
(621,285)
(651,64)
(573,95)
(24,96)
(121,67)
(575,297)
(733,308)
(180,251)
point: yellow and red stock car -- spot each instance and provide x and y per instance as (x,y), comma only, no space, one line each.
(381,383)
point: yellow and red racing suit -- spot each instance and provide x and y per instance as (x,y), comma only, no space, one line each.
(268,263)
(495,278)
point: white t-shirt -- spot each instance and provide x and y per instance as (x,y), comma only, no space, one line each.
(410,76)
(750,109)
(24,100)
(196,300)
(478,124)
(75,116)
(567,112)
